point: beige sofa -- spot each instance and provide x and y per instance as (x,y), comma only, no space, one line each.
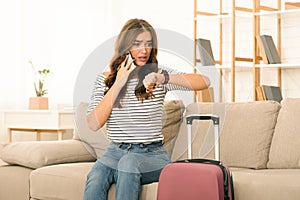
(260,141)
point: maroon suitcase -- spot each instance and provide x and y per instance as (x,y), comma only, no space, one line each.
(196,179)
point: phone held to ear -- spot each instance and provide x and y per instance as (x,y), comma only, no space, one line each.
(129,59)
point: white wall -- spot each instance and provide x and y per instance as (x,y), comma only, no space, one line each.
(60,35)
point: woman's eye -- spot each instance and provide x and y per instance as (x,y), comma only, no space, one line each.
(142,45)
(149,44)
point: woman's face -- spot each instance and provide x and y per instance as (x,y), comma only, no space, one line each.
(141,48)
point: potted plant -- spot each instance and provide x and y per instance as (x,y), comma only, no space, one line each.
(39,102)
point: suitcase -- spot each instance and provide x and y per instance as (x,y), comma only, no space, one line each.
(196,179)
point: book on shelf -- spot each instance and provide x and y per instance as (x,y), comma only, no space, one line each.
(267,46)
(262,50)
(267,92)
(205,52)
(272,93)
(260,94)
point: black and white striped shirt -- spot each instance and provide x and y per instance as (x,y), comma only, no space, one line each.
(134,122)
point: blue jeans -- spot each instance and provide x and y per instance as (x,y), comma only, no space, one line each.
(127,165)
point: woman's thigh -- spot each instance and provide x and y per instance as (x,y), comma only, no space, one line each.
(147,161)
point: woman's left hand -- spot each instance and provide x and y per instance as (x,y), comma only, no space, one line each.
(152,81)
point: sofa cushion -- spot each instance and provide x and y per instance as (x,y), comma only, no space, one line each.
(245,133)
(285,148)
(97,142)
(14,182)
(64,181)
(37,154)
(67,181)
(266,184)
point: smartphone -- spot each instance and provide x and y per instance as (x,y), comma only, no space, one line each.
(129,59)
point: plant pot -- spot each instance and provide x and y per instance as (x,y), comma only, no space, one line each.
(38,103)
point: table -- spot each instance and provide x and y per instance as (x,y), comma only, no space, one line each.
(52,121)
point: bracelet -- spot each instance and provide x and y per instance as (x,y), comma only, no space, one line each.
(166,75)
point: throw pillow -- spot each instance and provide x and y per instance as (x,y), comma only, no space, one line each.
(172,117)
(2,145)
(37,154)
(285,147)
(95,142)
(246,131)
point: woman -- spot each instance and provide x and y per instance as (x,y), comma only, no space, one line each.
(129,100)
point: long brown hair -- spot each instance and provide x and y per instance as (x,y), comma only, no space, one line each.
(124,42)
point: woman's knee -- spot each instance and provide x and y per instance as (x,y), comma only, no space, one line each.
(98,182)
(99,173)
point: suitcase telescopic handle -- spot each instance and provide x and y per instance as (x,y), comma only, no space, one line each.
(216,121)
(214,118)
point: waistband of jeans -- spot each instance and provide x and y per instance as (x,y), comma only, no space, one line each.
(140,144)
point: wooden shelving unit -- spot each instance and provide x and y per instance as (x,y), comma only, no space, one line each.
(257,8)
(258,12)
(222,15)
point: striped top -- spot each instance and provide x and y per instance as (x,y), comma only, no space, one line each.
(134,122)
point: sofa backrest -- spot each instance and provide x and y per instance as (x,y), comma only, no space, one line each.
(246,131)
(285,147)
(97,142)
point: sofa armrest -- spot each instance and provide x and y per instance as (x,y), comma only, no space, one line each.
(42,153)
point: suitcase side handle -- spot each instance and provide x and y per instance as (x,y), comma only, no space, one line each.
(214,118)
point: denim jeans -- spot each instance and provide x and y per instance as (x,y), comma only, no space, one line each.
(127,165)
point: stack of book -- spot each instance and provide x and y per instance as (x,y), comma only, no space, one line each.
(266,92)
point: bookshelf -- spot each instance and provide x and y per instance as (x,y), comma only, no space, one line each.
(221,15)
(228,18)
(260,12)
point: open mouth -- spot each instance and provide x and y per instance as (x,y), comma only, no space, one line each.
(142,58)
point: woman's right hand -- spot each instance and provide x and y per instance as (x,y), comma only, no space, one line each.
(98,117)
(124,71)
